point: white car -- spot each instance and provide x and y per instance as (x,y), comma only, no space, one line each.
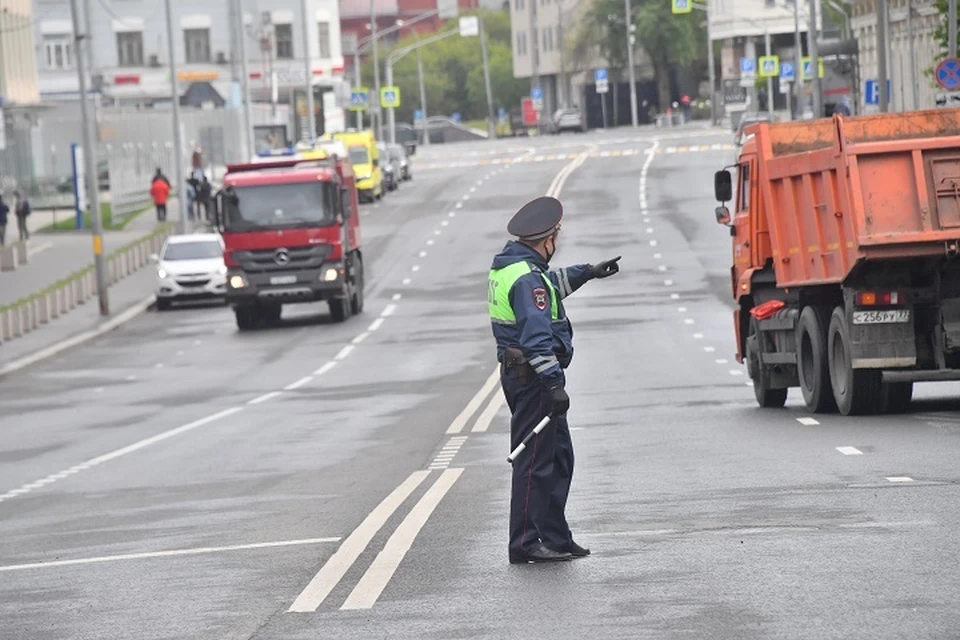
(190,267)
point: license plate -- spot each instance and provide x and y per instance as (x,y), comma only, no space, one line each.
(889,316)
(283,280)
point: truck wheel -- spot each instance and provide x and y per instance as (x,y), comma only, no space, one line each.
(270,315)
(857,391)
(895,397)
(812,365)
(246,318)
(340,309)
(162,304)
(356,301)
(766,397)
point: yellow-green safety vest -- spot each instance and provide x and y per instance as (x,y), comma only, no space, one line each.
(502,281)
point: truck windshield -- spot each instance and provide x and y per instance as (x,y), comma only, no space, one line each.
(271,206)
(359,155)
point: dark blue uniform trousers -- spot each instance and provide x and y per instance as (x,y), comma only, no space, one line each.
(542,473)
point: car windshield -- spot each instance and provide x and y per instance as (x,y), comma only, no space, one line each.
(198,250)
(359,155)
(271,206)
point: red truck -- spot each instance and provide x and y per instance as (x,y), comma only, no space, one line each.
(846,258)
(291,229)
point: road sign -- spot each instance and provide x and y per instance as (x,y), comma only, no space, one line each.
(389,97)
(601,80)
(948,99)
(456,117)
(531,115)
(947,74)
(769,66)
(536,94)
(872,93)
(808,69)
(417,115)
(682,6)
(787,72)
(784,87)
(748,68)
(469,26)
(448,9)
(359,99)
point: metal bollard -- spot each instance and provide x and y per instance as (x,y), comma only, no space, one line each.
(20,249)
(8,260)
(43,309)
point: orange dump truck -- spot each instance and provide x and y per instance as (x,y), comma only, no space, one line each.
(846,258)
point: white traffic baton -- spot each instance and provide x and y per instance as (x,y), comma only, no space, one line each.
(523,445)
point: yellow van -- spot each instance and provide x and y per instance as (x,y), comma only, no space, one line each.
(365,157)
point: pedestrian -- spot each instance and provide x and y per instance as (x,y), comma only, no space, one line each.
(196,163)
(844,107)
(206,198)
(160,192)
(191,197)
(21,209)
(534,345)
(4,210)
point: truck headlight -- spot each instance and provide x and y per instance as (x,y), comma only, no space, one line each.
(237,282)
(330,275)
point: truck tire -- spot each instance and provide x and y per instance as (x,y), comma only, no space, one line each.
(340,309)
(857,391)
(270,315)
(356,301)
(162,304)
(895,397)
(812,365)
(767,397)
(246,318)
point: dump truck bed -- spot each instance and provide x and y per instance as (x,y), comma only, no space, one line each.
(839,192)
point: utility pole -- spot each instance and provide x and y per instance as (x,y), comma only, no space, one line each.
(882,40)
(815,60)
(357,83)
(534,51)
(391,112)
(711,71)
(952,27)
(423,100)
(564,88)
(491,130)
(90,163)
(308,70)
(914,87)
(631,72)
(376,71)
(245,81)
(798,59)
(769,51)
(177,132)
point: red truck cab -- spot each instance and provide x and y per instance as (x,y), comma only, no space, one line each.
(291,229)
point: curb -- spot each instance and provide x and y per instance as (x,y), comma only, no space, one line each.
(125,316)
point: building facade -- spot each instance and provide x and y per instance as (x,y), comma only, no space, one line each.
(129,55)
(912,52)
(18,71)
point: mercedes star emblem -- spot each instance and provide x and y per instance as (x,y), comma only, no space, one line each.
(282,257)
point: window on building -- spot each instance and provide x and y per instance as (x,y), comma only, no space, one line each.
(533,37)
(130,49)
(559,37)
(323,37)
(197,43)
(284,37)
(58,52)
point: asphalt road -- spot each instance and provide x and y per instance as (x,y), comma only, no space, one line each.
(176,479)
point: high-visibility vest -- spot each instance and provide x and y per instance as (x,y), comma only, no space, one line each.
(502,281)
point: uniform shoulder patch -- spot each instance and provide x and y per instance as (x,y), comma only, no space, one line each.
(540,298)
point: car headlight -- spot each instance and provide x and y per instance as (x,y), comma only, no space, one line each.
(162,274)
(222,270)
(237,282)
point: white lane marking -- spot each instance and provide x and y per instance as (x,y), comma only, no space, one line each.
(722,361)
(299,383)
(668,283)
(850,451)
(265,397)
(39,249)
(406,281)
(657,256)
(360,338)
(466,197)
(452,214)
(165,554)
(474,189)
(325,368)
(674,296)
(340,562)
(388,311)
(649,229)
(197,343)
(698,336)
(661,268)
(180,353)
(436,232)
(423,254)
(459,205)
(343,353)
(709,349)
(373,582)
(681,309)
(431,242)
(445,456)
(808,422)
(396,296)
(489,413)
(159,365)
(899,479)
(690,320)
(444,223)
(653,243)
(461,420)
(736,372)
(376,324)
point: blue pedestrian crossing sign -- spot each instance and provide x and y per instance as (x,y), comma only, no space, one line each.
(599,75)
(948,74)
(787,72)
(359,99)
(769,66)
(389,97)
(682,6)
(872,93)
(748,68)
(808,69)
(536,93)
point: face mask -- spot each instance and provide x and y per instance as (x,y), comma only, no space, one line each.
(553,252)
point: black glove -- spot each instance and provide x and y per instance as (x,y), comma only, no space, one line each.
(605,269)
(561,401)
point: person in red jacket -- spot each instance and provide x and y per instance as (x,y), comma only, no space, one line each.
(160,191)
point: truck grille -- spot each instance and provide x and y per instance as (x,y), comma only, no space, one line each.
(283,259)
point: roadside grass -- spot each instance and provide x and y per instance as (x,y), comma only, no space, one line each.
(110,223)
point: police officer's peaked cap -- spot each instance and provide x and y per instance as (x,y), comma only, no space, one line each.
(537,219)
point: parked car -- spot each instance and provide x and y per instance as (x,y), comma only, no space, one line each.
(569,119)
(390,168)
(190,267)
(399,155)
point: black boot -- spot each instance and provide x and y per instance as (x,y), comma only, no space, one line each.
(539,555)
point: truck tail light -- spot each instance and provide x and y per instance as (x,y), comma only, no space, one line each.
(878,298)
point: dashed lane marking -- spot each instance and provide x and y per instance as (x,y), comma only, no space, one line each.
(343,353)
(299,383)
(894,479)
(340,562)
(850,451)
(360,338)
(325,368)
(376,324)
(808,422)
(265,397)
(388,311)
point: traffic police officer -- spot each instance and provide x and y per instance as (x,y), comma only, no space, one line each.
(534,346)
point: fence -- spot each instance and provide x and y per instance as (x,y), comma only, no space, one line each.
(28,314)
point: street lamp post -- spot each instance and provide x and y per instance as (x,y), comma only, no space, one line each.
(308,70)
(711,72)
(630,70)
(245,81)
(177,133)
